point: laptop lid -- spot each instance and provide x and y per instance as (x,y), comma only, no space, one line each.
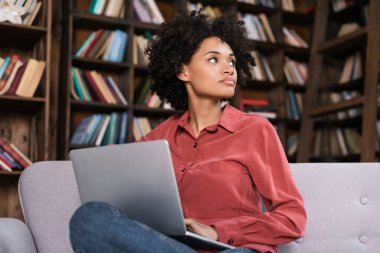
(137,178)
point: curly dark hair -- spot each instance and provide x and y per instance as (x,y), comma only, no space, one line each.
(176,42)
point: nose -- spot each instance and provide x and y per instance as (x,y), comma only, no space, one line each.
(229,69)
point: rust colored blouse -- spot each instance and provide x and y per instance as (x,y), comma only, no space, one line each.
(224,174)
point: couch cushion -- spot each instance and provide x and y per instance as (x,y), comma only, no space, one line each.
(15,237)
(343,205)
(49,196)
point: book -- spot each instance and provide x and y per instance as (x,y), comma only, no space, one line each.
(114,87)
(35,80)
(17,155)
(4,66)
(31,16)
(122,138)
(8,70)
(118,46)
(16,81)
(113,7)
(102,131)
(31,67)
(11,78)
(94,89)
(81,131)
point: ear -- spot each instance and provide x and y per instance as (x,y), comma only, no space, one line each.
(183,74)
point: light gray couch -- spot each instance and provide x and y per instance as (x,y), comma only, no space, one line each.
(342,201)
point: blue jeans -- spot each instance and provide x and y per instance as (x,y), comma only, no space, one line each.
(99,227)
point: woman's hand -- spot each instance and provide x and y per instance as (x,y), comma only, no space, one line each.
(201,229)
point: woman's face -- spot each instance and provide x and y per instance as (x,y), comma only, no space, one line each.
(211,72)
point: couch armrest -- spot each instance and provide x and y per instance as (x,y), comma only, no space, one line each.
(15,237)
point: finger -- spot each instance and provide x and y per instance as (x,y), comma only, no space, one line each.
(188,221)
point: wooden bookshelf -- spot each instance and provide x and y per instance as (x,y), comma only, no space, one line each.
(326,46)
(77,21)
(25,121)
(76,17)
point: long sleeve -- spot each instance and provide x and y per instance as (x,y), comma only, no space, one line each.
(285,218)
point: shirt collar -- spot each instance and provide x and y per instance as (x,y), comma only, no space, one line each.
(229,119)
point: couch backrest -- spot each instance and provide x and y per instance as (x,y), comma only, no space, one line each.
(49,196)
(342,202)
(15,237)
(343,206)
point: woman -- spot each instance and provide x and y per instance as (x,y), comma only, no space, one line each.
(226,162)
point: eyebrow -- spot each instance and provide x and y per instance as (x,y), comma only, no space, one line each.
(216,52)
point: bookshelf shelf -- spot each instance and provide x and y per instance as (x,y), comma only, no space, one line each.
(331,108)
(348,86)
(91,21)
(261,85)
(143,26)
(87,63)
(256,9)
(97,106)
(153,112)
(297,18)
(14,103)
(266,46)
(11,174)
(297,53)
(141,70)
(293,123)
(72,146)
(296,87)
(20,36)
(348,122)
(346,158)
(345,43)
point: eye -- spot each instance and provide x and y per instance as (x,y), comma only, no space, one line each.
(213,60)
(232,63)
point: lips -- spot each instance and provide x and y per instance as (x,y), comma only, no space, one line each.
(229,81)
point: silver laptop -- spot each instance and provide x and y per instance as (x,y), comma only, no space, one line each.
(137,178)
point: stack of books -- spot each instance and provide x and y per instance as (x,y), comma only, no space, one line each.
(20,77)
(139,44)
(104,44)
(92,86)
(352,70)
(101,129)
(112,8)
(336,142)
(144,97)
(142,126)
(261,107)
(293,105)
(262,70)
(295,72)
(11,158)
(258,27)
(148,11)
(292,38)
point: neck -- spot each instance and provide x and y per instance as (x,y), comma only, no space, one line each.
(203,114)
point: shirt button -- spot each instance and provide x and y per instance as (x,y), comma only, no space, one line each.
(364,200)
(195,144)
(363,239)
(230,241)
